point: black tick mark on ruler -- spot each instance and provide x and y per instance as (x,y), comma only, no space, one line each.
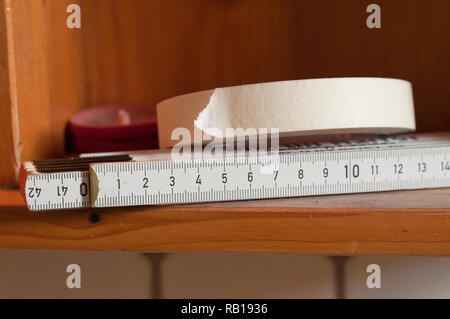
(94,218)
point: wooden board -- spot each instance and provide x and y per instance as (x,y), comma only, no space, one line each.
(48,74)
(145,51)
(41,82)
(9,157)
(403,222)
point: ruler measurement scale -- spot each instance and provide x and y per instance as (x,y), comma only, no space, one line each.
(176,182)
(58,191)
(411,163)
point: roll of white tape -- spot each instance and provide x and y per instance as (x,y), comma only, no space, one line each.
(300,107)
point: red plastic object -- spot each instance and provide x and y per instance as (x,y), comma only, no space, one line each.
(113,128)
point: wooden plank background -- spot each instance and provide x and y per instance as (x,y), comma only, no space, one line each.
(8,110)
(44,77)
(406,222)
(142,51)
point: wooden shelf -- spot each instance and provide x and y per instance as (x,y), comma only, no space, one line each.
(403,222)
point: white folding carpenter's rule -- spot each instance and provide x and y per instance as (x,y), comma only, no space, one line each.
(372,165)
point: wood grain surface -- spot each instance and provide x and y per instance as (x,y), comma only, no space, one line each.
(9,156)
(42,83)
(403,222)
(145,51)
(47,69)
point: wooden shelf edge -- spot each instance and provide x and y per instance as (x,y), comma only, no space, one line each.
(270,226)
